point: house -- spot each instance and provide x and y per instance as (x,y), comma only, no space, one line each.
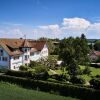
(94,55)
(17,52)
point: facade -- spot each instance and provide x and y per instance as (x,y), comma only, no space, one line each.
(17,52)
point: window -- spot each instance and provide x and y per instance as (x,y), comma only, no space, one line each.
(37,52)
(1,52)
(16,57)
(25,50)
(26,57)
(32,54)
(4,58)
(14,67)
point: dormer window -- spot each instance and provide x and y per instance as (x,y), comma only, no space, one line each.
(25,50)
(16,57)
(1,52)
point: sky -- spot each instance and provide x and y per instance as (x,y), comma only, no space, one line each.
(49,18)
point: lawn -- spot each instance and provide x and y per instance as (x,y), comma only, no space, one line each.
(94,72)
(14,92)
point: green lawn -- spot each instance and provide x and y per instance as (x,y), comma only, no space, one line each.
(14,92)
(94,72)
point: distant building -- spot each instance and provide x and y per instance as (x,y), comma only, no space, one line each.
(17,52)
(94,55)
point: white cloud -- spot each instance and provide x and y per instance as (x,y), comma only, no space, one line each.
(71,27)
(75,23)
(54,30)
(68,27)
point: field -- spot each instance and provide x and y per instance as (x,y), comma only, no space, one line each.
(14,92)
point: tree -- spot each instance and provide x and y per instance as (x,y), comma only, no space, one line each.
(97,45)
(73,68)
(81,50)
(73,51)
(51,46)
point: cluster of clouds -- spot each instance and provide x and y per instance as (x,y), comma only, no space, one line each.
(69,27)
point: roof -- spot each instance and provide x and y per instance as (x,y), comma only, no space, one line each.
(26,44)
(97,53)
(13,46)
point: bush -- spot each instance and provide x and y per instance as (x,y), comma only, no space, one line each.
(87,71)
(66,77)
(97,76)
(18,73)
(62,89)
(33,64)
(29,74)
(23,68)
(3,70)
(40,69)
(77,80)
(95,83)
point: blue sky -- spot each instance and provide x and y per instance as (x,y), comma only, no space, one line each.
(49,18)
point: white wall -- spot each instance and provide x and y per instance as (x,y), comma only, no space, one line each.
(42,54)
(26,53)
(35,56)
(4,64)
(15,63)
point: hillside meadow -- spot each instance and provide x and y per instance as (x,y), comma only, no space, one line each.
(13,92)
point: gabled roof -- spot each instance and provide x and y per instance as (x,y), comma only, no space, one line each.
(26,44)
(13,46)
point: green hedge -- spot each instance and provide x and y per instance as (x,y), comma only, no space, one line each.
(28,74)
(82,93)
(95,83)
(18,73)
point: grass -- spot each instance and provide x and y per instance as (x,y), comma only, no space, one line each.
(14,92)
(53,57)
(94,72)
(58,71)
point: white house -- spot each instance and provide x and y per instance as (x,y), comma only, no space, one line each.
(17,52)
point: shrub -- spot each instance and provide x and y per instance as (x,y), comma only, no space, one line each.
(18,73)
(95,83)
(40,69)
(33,64)
(77,80)
(23,68)
(97,76)
(87,71)
(66,77)
(3,70)
(29,74)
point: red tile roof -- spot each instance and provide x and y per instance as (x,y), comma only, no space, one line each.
(13,46)
(97,53)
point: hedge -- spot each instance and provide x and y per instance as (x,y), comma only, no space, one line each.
(26,74)
(82,93)
(18,73)
(95,83)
